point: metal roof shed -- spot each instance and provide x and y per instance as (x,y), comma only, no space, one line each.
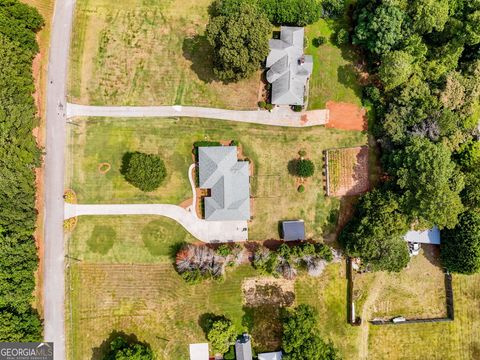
(431,236)
(270,356)
(199,351)
(293,230)
(243,348)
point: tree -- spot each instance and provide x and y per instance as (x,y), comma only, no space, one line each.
(429,15)
(430,182)
(305,168)
(240,42)
(333,8)
(292,12)
(453,94)
(468,156)
(396,68)
(144,171)
(121,349)
(300,340)
(460,247)
(471,193)
(379,30)
(375,233)
(221,334)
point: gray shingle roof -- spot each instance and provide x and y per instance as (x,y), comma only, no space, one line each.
(293,230)
(243,348)
(228,181)
(289,68)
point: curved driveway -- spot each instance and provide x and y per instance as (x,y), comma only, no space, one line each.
(206,231)
(281,116)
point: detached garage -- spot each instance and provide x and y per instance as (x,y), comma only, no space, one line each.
(293,230)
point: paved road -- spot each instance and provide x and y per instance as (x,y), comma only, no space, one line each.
(206,231)
(281,116)
(54,270)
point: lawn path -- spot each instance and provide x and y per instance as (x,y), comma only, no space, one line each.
(373,293)
(281,116)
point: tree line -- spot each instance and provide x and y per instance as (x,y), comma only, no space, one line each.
(423,60)
(19,156)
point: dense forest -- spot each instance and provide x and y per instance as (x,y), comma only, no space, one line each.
(19,156)
(423,61)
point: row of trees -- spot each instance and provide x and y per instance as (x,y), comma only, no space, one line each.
(239,31)
(424,63)
(287,260)
(19,156)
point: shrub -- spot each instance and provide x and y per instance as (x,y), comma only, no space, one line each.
(301,189)
(302,153)
(123,349)
(221,334)
(144,171)
(342,37)
(305,168)
(297,108)
(319,41)
(262,104)
(224,250)
(269,107)
(230,355)
(234,143)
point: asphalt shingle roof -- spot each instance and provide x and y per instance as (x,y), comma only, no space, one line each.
(228,181)
(289,68)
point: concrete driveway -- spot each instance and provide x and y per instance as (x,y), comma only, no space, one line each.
(206,231)
(280,116)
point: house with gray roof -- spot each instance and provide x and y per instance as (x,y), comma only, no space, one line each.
(228,181)
(288,68)
(243,348)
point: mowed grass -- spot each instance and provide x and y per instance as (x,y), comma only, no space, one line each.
(457,340)
(148,52)
(126,239)
(416,292)
(273,189)
(334,77)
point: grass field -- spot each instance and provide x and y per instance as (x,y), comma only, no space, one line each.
(148,52)
(273,189)
(333,76)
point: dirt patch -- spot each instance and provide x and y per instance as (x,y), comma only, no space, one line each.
(347,171)
(346,116)
(268,291)
(104,167)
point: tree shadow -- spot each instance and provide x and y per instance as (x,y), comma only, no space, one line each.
(292,167)
(99,352)
(432,254)
(198,50)
(126,161)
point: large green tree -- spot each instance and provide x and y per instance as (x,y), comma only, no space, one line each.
(396,68)
(375,233)
(429,15)
(239,41)
(122,349)
(292,12)
(300,338)
(460,247)
(379,30)
(430,182)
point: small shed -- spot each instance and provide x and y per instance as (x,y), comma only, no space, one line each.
(293,230)
(243,348)
(199,351)
(271,356)
(431,236)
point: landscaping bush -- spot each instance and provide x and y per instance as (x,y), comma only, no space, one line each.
(230,355)
(305,168)
(144,171)
(297,108)
(262,104)
(342,37)
(302,153)
(234,143)
(269,107)
(319,41)
(301,189)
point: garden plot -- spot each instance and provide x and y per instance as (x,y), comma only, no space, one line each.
(347,171)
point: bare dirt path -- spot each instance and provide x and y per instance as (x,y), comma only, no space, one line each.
(372,296)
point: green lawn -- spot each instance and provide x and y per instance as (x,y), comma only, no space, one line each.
(270,149)
(334,77)
(148,53)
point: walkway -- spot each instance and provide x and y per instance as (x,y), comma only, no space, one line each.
(54,256)
(282,116)
(206,231)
